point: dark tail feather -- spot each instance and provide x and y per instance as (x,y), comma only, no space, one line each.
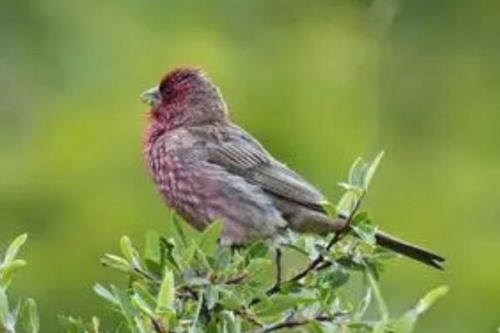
(409,250)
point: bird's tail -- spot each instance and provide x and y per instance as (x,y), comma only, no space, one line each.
(412,251)
(320,223)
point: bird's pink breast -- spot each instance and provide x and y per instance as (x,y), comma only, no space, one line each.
(179,184)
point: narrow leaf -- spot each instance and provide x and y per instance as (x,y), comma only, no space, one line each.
(128,250)
(330,209)
(153,252)
(4,308)
(370,172)
(180,234)
(166,296)
(105,294)
(209,239)
(8,270)
(29,318)
(429,299)
(194,324)
(363,305)
(348,202)
(14,248)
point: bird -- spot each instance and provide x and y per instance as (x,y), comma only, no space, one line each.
(209,169)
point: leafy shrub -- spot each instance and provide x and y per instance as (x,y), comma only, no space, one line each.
(186,282)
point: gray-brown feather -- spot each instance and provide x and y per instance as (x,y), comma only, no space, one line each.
(299,202)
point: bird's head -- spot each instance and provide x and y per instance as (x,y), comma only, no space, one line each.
(185,97)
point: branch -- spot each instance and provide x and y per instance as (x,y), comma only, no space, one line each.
(320,259)
(158,326)
(237,279)
(292,323)
(348,221)
(250,318)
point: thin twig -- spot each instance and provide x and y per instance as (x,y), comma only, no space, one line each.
(251,319)
(278,268)
(139,271)
(347,223)
(292,323)
(237,279)
(158,326)
(320,259)
(187,292)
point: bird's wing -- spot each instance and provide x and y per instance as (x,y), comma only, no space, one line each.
(240,154)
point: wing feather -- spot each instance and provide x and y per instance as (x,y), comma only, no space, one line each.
(244,156)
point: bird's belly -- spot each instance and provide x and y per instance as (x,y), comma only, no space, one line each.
(201,194)
(183,198)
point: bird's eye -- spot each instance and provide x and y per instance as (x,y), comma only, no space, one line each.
(164,90)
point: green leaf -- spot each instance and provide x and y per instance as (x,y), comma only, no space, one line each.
(179,232)
(261,271)
(186,256)
(129,251)
(96,323)
(429,299)
(4,308)
(153,254)
(106,294)
(406,324)
(229,299)
(72,325)
(126,306)
(363,305)
(169,247)
(166,295)
(332,279)
(315,327)
(380,254)
(349,187)
(362,327)
(140,325)
(382,306)
(116,262)
(29,317)
(196,317)
(361,174)
(211,296)
(356,173)
(231,324)
(222,260)
(143,299)
(14,248)
(331,210)
(279,304)
(370,172)
(198,281)
(258,249)
(209,239)
(366,232)
(8,270)
(201,260)
(348,202)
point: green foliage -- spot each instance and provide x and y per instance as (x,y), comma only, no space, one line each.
(312,80)
(23,316)
(192,284)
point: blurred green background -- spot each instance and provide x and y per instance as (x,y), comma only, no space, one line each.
(318,82)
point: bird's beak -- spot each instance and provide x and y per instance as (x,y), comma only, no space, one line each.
(151,96)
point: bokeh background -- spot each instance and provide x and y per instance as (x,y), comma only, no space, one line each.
(318,82)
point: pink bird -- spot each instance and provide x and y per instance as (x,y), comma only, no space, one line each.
(207,168)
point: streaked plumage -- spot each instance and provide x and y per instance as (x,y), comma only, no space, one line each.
(207,169)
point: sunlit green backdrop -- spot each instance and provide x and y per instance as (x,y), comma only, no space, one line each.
(318,82)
